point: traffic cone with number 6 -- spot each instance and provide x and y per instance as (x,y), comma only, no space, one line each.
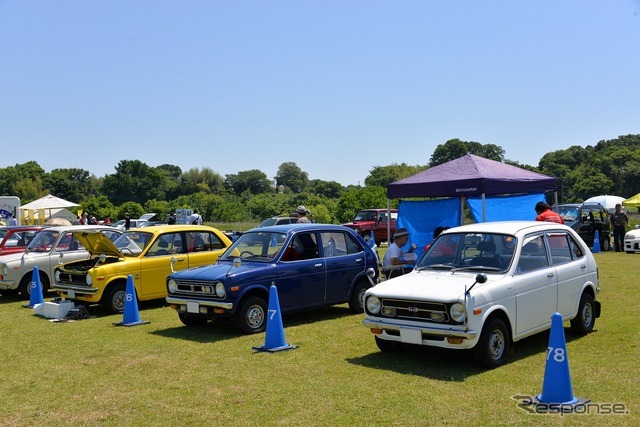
(131,316)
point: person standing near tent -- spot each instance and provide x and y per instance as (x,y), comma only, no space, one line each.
(620,221)
(546,214)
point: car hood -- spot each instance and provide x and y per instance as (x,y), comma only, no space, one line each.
(97,243)
(427,285)
(216,271)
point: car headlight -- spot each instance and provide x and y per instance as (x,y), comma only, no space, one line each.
(458,312)
(373,305)
(221,292)
(5,269)
(172,286)
(88,280)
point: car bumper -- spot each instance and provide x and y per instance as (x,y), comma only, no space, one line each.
(8,284)
(441,336)
(193,305)
(632,245)
(74,291)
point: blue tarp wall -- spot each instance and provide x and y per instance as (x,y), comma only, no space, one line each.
(420,218)
(506,208)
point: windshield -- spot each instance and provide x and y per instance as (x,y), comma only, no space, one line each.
(255,246)
(43,242)
(469,251)
(133,243)
(570,214)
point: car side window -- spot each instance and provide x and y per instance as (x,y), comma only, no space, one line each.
(163,245)
(336,244)
(533,255)
(575,248)
(306,245)
(559,248)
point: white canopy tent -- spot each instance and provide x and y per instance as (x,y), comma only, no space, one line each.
(43,208)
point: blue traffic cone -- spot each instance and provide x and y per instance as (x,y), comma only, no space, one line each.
(274,339)
(131,316)
(557,393)
(35,287)
(372,240)
(274,241)
(233,237)
(596,243)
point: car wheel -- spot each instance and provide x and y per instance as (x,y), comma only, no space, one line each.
(585,319)
(605,244)
(494,344)
(115,299)
(356,303)
(25,285)
(191,321)
(386,345)
(252,316)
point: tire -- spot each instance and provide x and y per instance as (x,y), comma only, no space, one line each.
(605,244)
(585,320)
(494,345)
(386,345)
(251,318)
(115,298)
(25,285)
(356,303)
(192,321)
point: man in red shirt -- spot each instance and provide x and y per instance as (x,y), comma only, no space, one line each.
(546,214)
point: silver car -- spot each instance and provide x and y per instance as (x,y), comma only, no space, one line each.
(50,247)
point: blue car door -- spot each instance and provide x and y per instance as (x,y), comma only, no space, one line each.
(302,280)
(345,259)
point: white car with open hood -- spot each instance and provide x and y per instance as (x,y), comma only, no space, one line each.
(484,286)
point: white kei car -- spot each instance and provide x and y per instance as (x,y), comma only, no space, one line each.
(484,286)
(632,240)
(50,247)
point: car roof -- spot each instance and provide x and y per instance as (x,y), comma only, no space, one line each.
(283,228)
(163,228)
(507,227)
(64,228)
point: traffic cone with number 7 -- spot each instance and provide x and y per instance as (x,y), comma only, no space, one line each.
(131,316)
(274,339)
(557,393)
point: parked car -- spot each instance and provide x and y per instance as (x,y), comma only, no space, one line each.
(586,219)
(15,238)
(149,254)
(502,283)
(275,220)
(50,247)
(312,265)
(367,220)
(632,240)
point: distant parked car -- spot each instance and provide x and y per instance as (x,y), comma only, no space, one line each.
(632,241)
(276,220)
(15,238)
(586,219)
(374,220)
(311,265)
(502,282)
(149,254)
(50,247)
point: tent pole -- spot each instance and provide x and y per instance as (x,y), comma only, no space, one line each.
(388,222)
(462,202)
(484,208)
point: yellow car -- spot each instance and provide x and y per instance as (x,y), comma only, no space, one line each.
(148,254)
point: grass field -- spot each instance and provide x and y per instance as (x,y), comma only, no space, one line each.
(91,372)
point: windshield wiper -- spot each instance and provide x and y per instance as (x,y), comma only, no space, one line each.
(437,267)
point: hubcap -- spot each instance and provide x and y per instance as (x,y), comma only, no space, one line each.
(255,316)
(496,345)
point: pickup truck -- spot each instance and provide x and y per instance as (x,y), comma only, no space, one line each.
(375,220)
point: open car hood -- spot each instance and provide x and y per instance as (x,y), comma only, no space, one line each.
(97,243)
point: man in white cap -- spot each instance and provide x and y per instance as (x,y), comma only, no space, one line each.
(395,258)
(302,214)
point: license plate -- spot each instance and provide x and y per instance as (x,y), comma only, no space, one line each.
(411,336)
(71,293)
(193,307)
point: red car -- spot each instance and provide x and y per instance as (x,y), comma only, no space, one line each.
(17,237)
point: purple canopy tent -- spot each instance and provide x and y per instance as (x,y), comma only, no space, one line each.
(471,175)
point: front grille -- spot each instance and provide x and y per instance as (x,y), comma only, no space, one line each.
(72,279)
(196,288)
(419,310)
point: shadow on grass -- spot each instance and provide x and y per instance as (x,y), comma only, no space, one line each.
(451,365)
(225,329)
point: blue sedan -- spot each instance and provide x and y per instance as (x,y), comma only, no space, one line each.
(311,265)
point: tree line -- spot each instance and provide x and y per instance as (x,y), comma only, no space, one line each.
(608,167)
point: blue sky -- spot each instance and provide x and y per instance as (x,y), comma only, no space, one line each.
(337,87)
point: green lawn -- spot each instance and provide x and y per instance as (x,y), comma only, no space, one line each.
(90,372)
